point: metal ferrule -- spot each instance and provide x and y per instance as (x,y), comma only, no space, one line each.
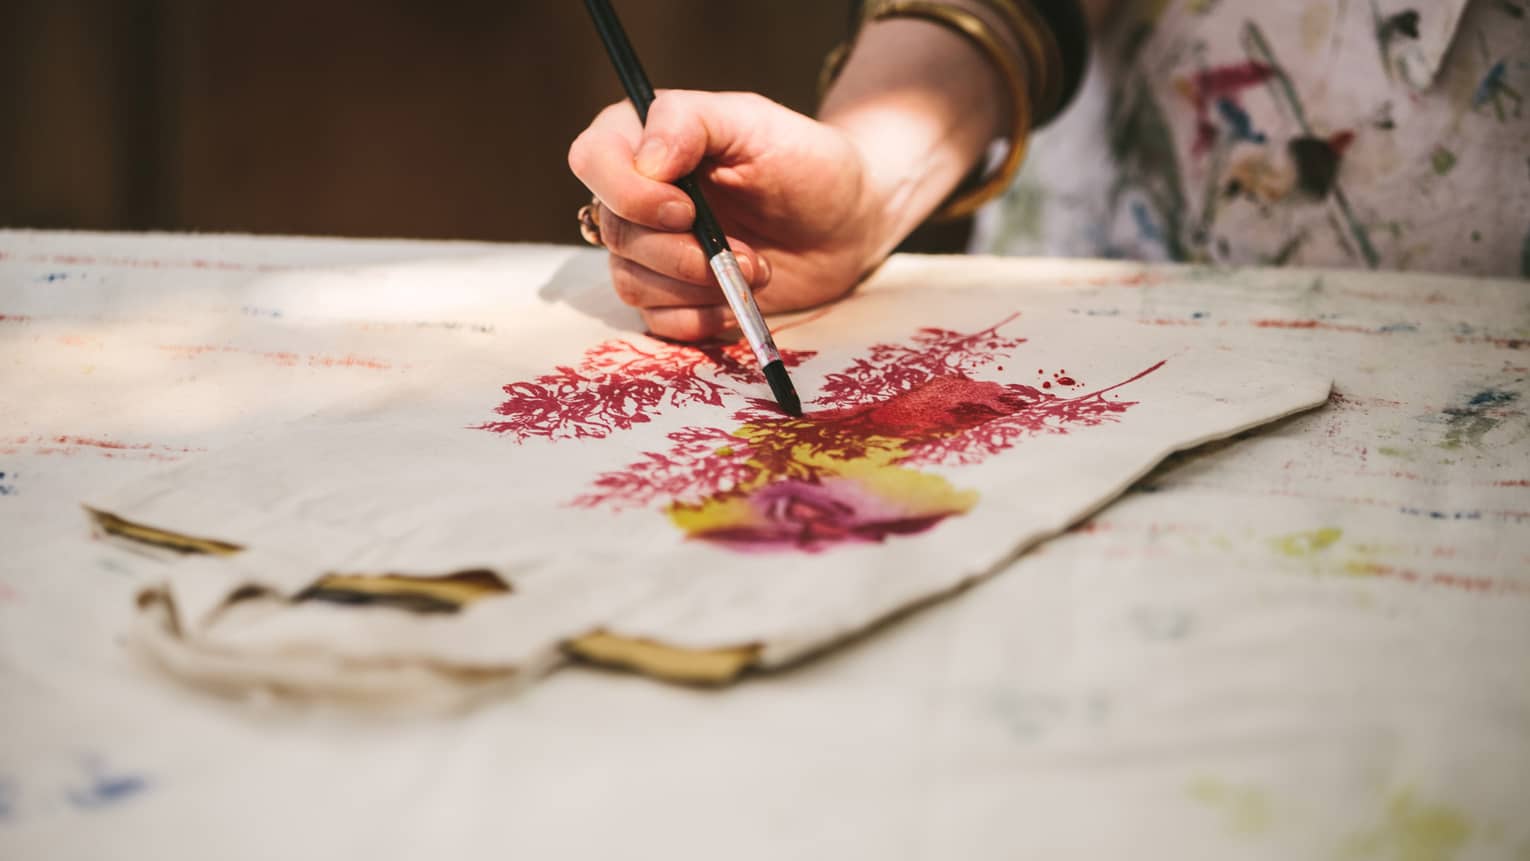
(741,300)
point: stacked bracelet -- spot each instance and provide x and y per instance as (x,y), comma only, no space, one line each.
(1037,89)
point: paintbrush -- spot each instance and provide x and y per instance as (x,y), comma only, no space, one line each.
(708,232)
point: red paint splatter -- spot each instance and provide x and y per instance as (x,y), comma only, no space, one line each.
(1046,385)
(98,443)
(1502,343)
(348,361)
(1205,87)
(14,318)
(282,358)
(1228,80)
(1315,324)
(69,444)
(1067,381)
(1340,142)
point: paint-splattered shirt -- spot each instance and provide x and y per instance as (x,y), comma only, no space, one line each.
(1370,133)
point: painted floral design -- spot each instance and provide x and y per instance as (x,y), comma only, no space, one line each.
(848,471)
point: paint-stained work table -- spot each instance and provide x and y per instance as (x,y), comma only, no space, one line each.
(1310,643)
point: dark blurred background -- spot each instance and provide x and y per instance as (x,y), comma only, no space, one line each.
(446,119)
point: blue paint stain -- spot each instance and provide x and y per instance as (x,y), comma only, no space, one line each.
(1441,515)
(1491,84)
(1199,315)
(50,277)
(1239,122)
(106,789)
(1398,327)
(1144,219)
(7,800)
(252,311)
(1491,398)
(6,487)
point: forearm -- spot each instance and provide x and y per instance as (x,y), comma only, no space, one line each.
(922,104)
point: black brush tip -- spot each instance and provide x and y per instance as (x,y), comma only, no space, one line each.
(781,386)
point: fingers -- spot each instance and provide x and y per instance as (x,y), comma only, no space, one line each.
(684,126)
(644,288)
(688,324)
(656,266)
(602,158)
(673,255)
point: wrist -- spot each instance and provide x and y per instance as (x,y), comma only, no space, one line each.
(920,107)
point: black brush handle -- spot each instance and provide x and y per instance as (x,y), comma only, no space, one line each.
(708,232)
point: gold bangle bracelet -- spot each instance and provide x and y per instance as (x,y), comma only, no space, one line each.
(977,31)
(1040,51)
(1039,48)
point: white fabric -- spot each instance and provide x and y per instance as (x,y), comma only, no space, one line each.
(1310,642)
(404,479)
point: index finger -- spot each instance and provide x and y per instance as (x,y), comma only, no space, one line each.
(602,158)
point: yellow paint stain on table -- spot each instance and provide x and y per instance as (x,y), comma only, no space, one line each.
(1302,545)
(1412,830)
(1245,810)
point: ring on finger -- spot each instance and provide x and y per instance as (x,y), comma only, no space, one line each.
(589,222)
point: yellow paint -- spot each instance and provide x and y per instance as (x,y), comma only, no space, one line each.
(460,588)
(921,492)
(1245,810)
(1302,545)
(1412,831)
(872,471)
(912,493)
(691,666)
(140,533)
(713,514)
(1315,25)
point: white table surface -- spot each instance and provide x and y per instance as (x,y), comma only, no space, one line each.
(1313,642)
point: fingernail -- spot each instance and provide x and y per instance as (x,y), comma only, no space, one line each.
(674,215)
(650,156)
(764,269)
(745,267)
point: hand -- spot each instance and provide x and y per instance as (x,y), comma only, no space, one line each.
(791,193)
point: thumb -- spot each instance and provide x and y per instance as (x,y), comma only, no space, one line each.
(686,126)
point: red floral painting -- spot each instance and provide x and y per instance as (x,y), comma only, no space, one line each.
(846,472)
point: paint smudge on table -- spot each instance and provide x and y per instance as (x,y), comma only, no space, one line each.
(1481,412)
(105,787)
(845,472)
(7,483)
(282,358)
(1244,810)
(70,445)
(1412,829)
(120,262)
